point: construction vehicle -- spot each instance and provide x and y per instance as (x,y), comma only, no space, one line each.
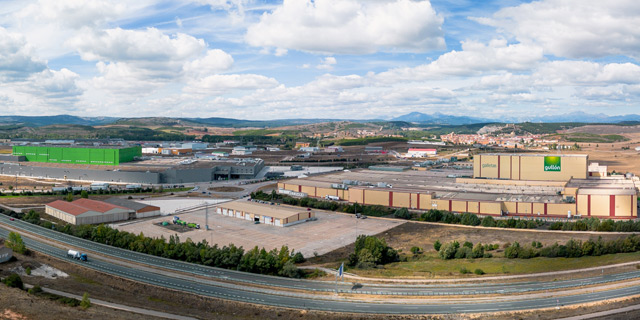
(77,255)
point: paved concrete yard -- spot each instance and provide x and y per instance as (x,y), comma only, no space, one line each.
(331,231)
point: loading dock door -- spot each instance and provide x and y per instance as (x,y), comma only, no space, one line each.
(268,220)
(279,222)
(247,216)
(239,214)
(218,210)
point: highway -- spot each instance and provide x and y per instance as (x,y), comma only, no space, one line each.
(209,288)
(317,286)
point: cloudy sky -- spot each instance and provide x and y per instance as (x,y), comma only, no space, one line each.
(357,59)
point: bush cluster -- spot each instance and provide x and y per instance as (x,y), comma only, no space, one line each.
(574,248)
(595,224)
(371,251)
(275,262)
(453,250)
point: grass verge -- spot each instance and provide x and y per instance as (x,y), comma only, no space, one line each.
(431,266)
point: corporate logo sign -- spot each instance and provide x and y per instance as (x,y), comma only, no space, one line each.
(552,164)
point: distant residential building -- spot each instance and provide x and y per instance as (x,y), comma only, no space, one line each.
(421,153)
(309,149)
(302,145)
(334,149)
(220,153)
(243,150)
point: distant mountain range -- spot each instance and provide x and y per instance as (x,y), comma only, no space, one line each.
(582,117)
(413,117)
(59,119)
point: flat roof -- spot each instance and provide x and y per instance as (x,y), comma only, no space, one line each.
(133,205)
(534,155)
(66,146)
(82,205)
(275,211)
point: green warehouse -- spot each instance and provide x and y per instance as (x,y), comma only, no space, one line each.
(111,156)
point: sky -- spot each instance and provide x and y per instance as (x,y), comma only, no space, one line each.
(330,59)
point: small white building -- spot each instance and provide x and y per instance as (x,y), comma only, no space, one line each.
(421,153)
(309,149)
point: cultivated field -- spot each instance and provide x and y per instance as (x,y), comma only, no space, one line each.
(613,154)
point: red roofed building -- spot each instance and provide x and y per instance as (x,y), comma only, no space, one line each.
(421,153)
(86,211)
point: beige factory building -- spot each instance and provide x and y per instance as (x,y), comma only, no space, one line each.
(279,216)
(86,211)
(534,167)
(522,186)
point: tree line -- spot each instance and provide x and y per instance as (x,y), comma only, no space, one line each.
(595,224)
(574,248)
(278,262)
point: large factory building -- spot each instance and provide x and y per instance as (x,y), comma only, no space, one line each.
(527,185)
(111,156)
(535,167)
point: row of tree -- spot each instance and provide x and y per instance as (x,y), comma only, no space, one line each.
(275,262)
(595,224)
(453,250)
(574,248)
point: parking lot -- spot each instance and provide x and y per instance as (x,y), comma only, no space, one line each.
(331,231)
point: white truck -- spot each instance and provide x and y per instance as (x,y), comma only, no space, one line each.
(334,198)
(77,255)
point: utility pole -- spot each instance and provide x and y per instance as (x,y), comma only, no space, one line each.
(206,216)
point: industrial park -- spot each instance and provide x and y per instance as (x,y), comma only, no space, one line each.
(319,159)
(208,194)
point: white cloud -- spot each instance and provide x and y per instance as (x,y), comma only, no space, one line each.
(474,59)
(327,63)
(16,56)
(73,13)
(146,47)
(220,84)
(349,26)
(574,28)
(215,61)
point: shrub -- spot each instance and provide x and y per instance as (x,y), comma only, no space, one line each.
(402,213)
(478,272)
(415,250)
(14,281)
(15,243)
(437,245)
(35,289)
(27,271)
(469,219)
(464,270)
(488,221)
(478,251)
(448,251)
(467,244)
(512,251)
(464,253)
(85,303)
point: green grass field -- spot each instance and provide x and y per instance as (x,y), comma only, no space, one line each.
(429,265)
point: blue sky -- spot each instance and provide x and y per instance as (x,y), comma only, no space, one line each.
(350,59)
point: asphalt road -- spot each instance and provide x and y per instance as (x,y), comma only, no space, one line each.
(209,288)
(318,286)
